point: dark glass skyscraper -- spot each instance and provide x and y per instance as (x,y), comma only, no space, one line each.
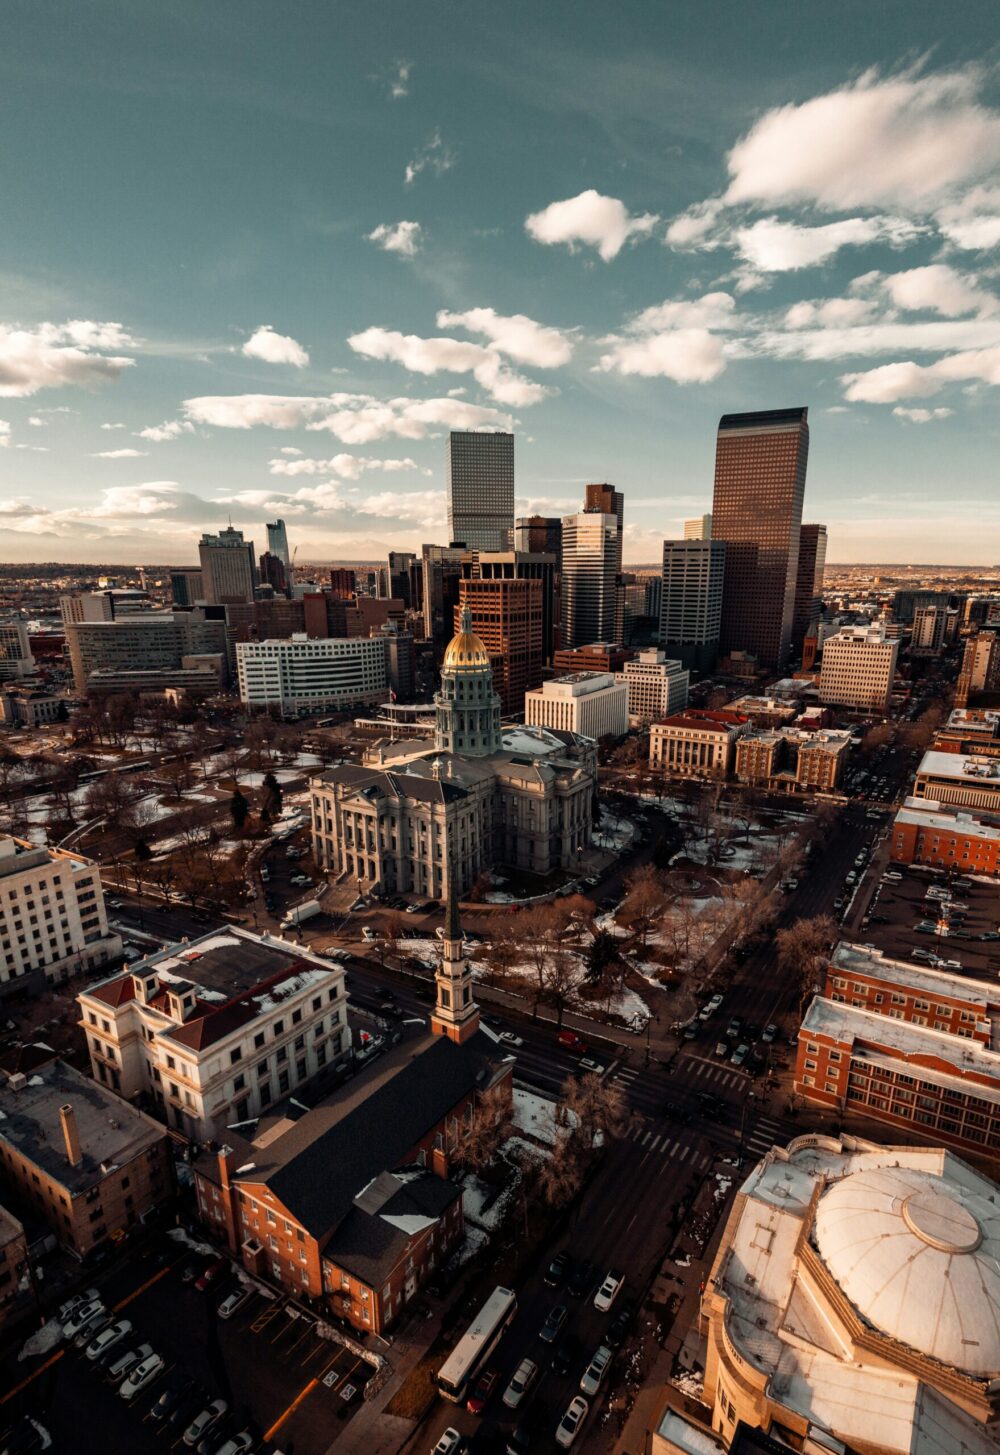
(808,586)
(481,489)
(760,479)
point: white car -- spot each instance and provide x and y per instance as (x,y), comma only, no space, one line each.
(368,934)
(69,1308)
(572,1421)
(522,1379)
(125,1363)
(449,1441)
(205,1423)
(234,1301)
(141,1376)
(593,1375)
(413,909)
(609,1290)
(81,1316)
(108,1338)
(509,1039)
(93,1326)
(238,1445)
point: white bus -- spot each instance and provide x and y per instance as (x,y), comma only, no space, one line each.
(476,1345)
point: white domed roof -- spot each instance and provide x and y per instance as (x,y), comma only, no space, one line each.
(919,1257)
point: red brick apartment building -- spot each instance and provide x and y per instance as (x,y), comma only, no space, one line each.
(929,834)
(351,1204)
(904,1045)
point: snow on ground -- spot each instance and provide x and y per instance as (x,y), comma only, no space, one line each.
(485,1206)
(689,1384)
(613,831)
(181,1235)
(44,1339)
(630,1005)
(476,1241)
(535,1115)
(499,898)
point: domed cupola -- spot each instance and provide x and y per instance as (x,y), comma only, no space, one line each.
(467,717)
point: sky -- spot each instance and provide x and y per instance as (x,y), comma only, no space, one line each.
(257,257)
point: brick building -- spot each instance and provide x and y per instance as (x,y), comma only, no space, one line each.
(507,619)
(924,833)
(696,743)
(905,1045)
(13,1262)
(85,1161)
(793,760)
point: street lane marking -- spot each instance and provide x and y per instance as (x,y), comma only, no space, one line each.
(142,1288)
(306,1390)
(646,1138)
(684,1153)
(673,1149)
(656,1143)
(25,1382)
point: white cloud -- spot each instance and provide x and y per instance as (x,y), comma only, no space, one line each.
(592,220)
(448,355)
(4,433)
(711,310)
(885,335)
(516,335)
(899,141)
(169,430)
(694,227)
(119,454)
(433,155)
(686,355)
(349,467)
(778,247)
(938,289)
(829,313)
(275,348)
(909,380)
(37,422)
(54,355)
(922,416)
(355,419)
(290,450)
(399,237)
(114,426)
(399,80)
(973,222)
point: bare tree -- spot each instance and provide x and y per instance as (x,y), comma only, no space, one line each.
(595,1111)
(561,978)
(803,949)
(490,1126)
(644,905)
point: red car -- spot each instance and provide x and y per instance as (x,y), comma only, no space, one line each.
(211,1275)
(571,1041)
(479,1398)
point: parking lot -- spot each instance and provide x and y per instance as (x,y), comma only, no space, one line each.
(898,906)
(279,1379)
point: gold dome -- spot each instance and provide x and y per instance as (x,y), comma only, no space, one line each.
(465,649)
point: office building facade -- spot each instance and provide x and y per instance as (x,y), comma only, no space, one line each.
(53,923)
(656,686)
(228,567)
(186,587)
(980,670)
(399,570)
(540,566)
(304,675)
(698,529)
(130,653)
(277,543)
(760,477)
(591,585)
(691,602)
(538,533)
(506,615)
(480,488)
(696,743)
(808,587)
(858,669)
(15,651)
(593,704)
(441,572)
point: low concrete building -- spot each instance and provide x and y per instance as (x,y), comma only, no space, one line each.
(765,712)
(86,1161)
(593,704)
(28,706)
(214,1031)
(53,923)
(305,674)
(963,780)
(657,686)
(696,743)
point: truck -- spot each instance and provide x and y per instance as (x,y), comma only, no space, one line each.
(301,913)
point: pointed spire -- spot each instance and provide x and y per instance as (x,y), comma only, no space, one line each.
(452,923)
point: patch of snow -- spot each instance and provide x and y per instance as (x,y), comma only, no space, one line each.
(181,1235)
(499,898)
(409,1223)
(35,1081)
(42,1340)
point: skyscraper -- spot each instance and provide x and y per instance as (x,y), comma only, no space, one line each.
(441,570)
(808,587)
(540,566)
(691,601)
(228,567)
(606,500)
(400,573)
(507,618)
(698,529)
(538,533)
(481,489)
(277,544)
(760,478)
(592,591)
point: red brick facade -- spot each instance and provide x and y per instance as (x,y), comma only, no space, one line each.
(951,844)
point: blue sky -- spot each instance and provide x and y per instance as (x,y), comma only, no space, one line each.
(257,258)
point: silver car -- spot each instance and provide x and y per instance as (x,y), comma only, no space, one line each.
(522,1379)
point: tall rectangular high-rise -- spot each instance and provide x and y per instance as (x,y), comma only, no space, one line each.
(593,600)
(399,569)
(277,544)
(605,499)
(538,533)
(760,479)
(808,586)
(507,617)
(481,489)
(691,601)
(228,567)
(698,529)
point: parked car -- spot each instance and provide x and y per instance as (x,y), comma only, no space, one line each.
(609,1290)
(122,1364)
(211,1275)
(509,1039)
(237,1444)
(768,1033)
(70,1307)
(558,1270)
(450,1442)
(234,1301)
(740,1054)
(593,1375)
(141,1377)
(554,1320)
(564,1355)
(81,1316)
(722,1048)
(93,1326)
(581,1280)
(521,1381)
(619,1326)
(413,909)
(734,1027)
(171,1398)
(204,1422)
(107,1339)
(480,1396)
(572,1421)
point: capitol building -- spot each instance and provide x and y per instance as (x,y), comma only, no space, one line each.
(854,1304)
(473,797)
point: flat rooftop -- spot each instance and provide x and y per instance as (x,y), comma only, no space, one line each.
(111,1131)
(963,767)
(929,817)
(855,959)
(845,1023)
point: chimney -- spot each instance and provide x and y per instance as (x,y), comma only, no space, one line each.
(71,1136)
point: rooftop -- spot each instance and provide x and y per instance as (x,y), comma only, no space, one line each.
(704,719)
(931,815)
(111,1131)
(855,959)
(914,1043)
(963,766)
(17,856)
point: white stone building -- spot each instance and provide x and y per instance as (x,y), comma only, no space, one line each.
(697,743)
(475,797)
(214,1031)
(657,686)
(858,668)
(304,674)
(592,703)
(53,923)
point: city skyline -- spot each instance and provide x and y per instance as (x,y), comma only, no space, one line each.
(298,261)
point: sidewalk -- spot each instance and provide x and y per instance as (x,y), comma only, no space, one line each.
(371,1431)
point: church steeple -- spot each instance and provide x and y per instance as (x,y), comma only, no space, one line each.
(456,1014)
